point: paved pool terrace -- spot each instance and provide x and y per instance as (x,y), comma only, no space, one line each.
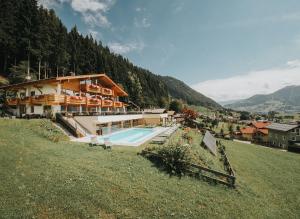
(127,137)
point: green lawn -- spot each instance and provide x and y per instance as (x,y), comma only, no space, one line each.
(43,179)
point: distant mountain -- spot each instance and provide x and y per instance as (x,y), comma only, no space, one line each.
(227,102)
(180,90)
(286,99)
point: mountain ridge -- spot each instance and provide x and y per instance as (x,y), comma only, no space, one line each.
(286,99)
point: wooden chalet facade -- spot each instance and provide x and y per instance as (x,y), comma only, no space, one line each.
(73,94)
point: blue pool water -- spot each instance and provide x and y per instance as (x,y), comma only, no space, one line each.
(129,136)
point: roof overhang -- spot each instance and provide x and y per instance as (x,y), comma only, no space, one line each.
(104,80)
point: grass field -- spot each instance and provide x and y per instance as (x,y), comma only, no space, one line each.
(43,179)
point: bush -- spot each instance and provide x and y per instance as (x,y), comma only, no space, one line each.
(187,136)
(175,157)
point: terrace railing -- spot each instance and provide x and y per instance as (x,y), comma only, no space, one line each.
(118,104)
(106,91)
(91,88)
(107,103)
(94,102)
(12,101)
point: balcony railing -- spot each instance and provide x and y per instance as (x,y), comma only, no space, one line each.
(12,101)
(93,102)
(57,99)
(39,100)
(107,103)
(91,88)
(54,99)
(118,104)
(25,100)
(107,91)
(75,100)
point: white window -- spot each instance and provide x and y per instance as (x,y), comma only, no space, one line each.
(293,138)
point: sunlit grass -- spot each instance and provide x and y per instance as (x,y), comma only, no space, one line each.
(44,179)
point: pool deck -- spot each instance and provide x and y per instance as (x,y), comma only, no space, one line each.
(157,131)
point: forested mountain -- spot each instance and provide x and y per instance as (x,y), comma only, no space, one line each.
(34,36)
(286,99)
(182,91)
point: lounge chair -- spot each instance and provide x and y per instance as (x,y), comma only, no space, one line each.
(107,144)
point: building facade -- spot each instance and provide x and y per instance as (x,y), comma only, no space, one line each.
(284,135)
(73,94)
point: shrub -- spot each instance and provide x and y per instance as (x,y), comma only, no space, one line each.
(175,157)
(187,136)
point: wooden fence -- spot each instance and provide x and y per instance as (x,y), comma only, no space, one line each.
(204,172)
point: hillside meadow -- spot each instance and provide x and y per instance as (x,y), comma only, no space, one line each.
(43,175)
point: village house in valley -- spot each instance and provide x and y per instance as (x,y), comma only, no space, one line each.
(285,136)
(256,132)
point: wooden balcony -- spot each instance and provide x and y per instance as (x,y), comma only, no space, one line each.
(107,91)
(39,99)
(25,100)
(12,101)
(91,88)
(75,100)
(107,103)
(118,104)
(55,99)
(93,102)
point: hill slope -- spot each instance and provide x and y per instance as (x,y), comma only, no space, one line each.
(180,90)
(286,99)
(43,179)
(31,31)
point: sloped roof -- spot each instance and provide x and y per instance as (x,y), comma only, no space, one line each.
(264,131)
(260,125)
(282,127)
(210,142)
(102,77)
(248,130)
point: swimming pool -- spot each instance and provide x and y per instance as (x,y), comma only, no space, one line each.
(132,136)
(126,137)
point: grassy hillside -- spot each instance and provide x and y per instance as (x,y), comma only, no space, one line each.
(43,179)
(180,90)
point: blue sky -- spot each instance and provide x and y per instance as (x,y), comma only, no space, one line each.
(211,45)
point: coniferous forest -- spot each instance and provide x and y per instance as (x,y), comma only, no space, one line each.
(34,36)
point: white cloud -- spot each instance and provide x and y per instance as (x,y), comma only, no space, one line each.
(178,7)
(251,83)
(96,20)
(139,9)
(95,34)
(50,3)
(142,23)
(126,48)
(93,12)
